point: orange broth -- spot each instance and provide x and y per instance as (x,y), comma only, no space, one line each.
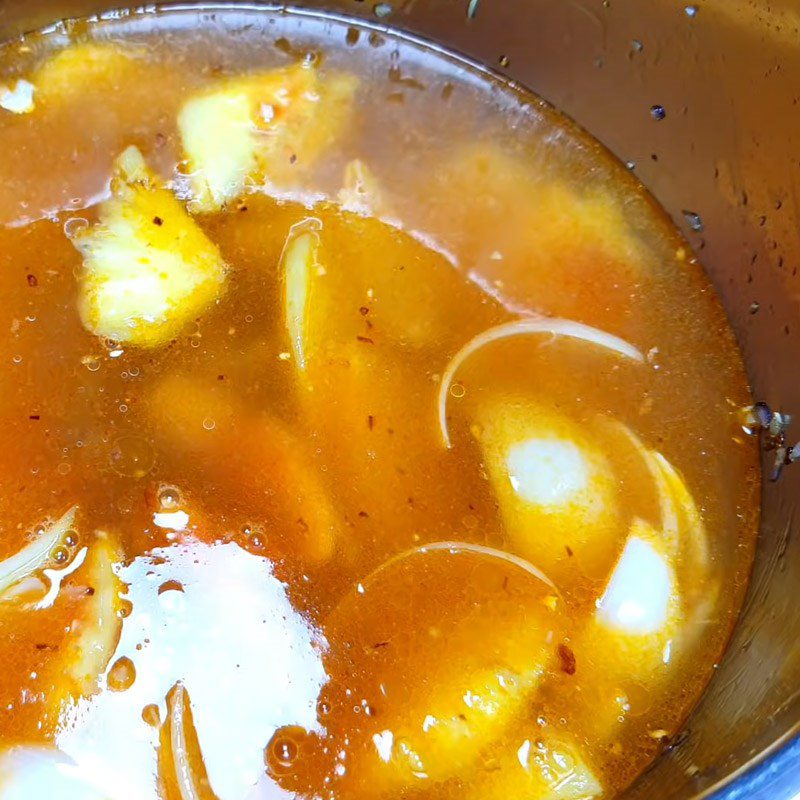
(275,576)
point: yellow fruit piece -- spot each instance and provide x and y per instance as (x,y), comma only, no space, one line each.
(556,488)
(261,128)
(568,250)
(81,68)
(628,642)
(440,701)
(253,459)
(148,267)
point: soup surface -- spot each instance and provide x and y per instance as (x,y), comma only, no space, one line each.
(368,430)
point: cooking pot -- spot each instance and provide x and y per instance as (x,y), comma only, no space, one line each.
(725,163)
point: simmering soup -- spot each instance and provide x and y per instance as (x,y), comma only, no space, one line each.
(368,430)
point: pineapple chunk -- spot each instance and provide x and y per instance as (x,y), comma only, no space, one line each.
(569,250)
(80,69)
(556,488)
(148,268)
(441,702)
(260,128)
(254,460)
(630,640)
(538,768)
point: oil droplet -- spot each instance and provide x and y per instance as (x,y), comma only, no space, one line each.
(71,539)
(74,226)
(457,390)
(132,457)
(151,715)
(125,609)
(284,748)
(63,468)
(60,555)
(92,363)
(121,675)
(169,498)
(209,424)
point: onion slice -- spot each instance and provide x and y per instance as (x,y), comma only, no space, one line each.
(298,261)
(469,547)
(36,555)
(526,327)
(191,780)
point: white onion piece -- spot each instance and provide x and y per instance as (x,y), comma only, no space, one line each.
(469,547)
(526,327)
(190,785)
(298,261)
(35,555)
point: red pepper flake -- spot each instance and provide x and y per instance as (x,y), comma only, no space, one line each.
(363,514)
(220,377)
(158,221)
(363,311)
(365,339)
(33,280)
(293,158)
(370,421)
(567,659)
(379,645)
(34,416)
(569,550)
(303,524)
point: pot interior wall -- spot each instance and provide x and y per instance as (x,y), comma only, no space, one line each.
(728,75)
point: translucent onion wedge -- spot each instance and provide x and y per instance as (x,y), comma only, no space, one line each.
(96,631)
(298,264)
(182,767)
(526,327)
(681,523)
(34,557)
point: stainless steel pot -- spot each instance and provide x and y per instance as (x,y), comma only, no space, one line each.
(728,74)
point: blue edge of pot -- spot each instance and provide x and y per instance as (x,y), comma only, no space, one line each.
(777,777)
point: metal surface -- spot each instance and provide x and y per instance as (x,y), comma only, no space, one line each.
(727,72)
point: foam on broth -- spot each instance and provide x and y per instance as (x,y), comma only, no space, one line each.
(278,577)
